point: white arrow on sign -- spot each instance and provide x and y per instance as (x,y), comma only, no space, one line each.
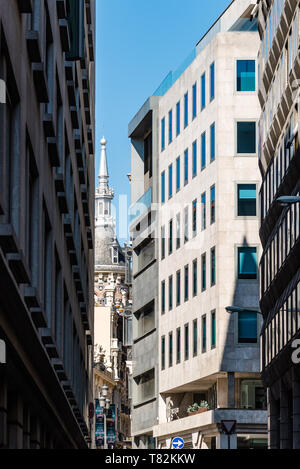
(2,352)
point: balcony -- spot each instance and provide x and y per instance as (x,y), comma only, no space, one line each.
(244,417)
(141,206)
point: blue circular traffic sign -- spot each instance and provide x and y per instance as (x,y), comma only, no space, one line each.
(177,443)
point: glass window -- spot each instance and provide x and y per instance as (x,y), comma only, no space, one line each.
(213,329)
(163,187)
(186,166)
(178,287)
(186,224)
(212,142)
(212,205)
(195,158)
(163,296)
(213,266)
(163,242)
(170,236)
(170,126)
(203,91)
(245,75)
(163,352)
(163,134)
(252,394)
(246,200)
(203,150)
(178,174)
(203,211)
(247,263)
(178,345)
(194,100)
(194,217)
(186,110)
(178,231)
(247,327)
(246,137)
(195,280)
(186,342)
(212,81)
(186,283)
(195,337)
(178,118)
(170,181)
(170,349)
(203,272)
(203,333)
(170,292)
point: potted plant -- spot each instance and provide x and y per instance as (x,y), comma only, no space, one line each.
(198,408)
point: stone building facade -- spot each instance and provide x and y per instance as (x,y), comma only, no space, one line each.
(113,319)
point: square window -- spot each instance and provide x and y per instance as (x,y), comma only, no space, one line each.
(246,200)
(245,75)
(246,138)
(247,263)
(247,328)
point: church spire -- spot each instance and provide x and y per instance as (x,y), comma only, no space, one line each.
(103,171)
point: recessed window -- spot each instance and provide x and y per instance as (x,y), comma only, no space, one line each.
(247,263)
(213,328)
(212,81)
(170,181)
(245,75)
(195,337)
(186,110)
(186,224)
(186,166)
(212,205)
(178,287)
(194,158)
(195,277)
(163,125)
(170,349)
(170,126)
(203,334)
(194,218)
(186,283)
(163,297)
(203,272)
(178,345)
(213,266)
(170,237)
(212,142)
(170,292)
(178,174)
(203,91)
(163,242)
(186,342)
(247,328)
(246,200)
(178,234)
(203,150)
(163,187)
(246,138)
(203,211)
(178,118)
(163,353)
(194,100)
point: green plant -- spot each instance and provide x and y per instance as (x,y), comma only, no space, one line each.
(194,407)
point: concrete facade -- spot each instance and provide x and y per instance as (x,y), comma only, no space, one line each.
(219,370)
(46,223)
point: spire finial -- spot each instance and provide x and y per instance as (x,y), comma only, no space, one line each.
(103,171)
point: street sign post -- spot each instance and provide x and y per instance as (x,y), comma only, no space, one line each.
(228,427)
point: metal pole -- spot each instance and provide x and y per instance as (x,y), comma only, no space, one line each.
(105,431)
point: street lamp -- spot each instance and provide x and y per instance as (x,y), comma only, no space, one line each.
(288,199)
(105,404)
(237,309)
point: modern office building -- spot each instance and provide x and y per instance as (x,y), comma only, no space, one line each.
(113,317)
(194,222)
(46,222)
(279,64)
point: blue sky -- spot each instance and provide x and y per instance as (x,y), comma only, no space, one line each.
(137,43)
